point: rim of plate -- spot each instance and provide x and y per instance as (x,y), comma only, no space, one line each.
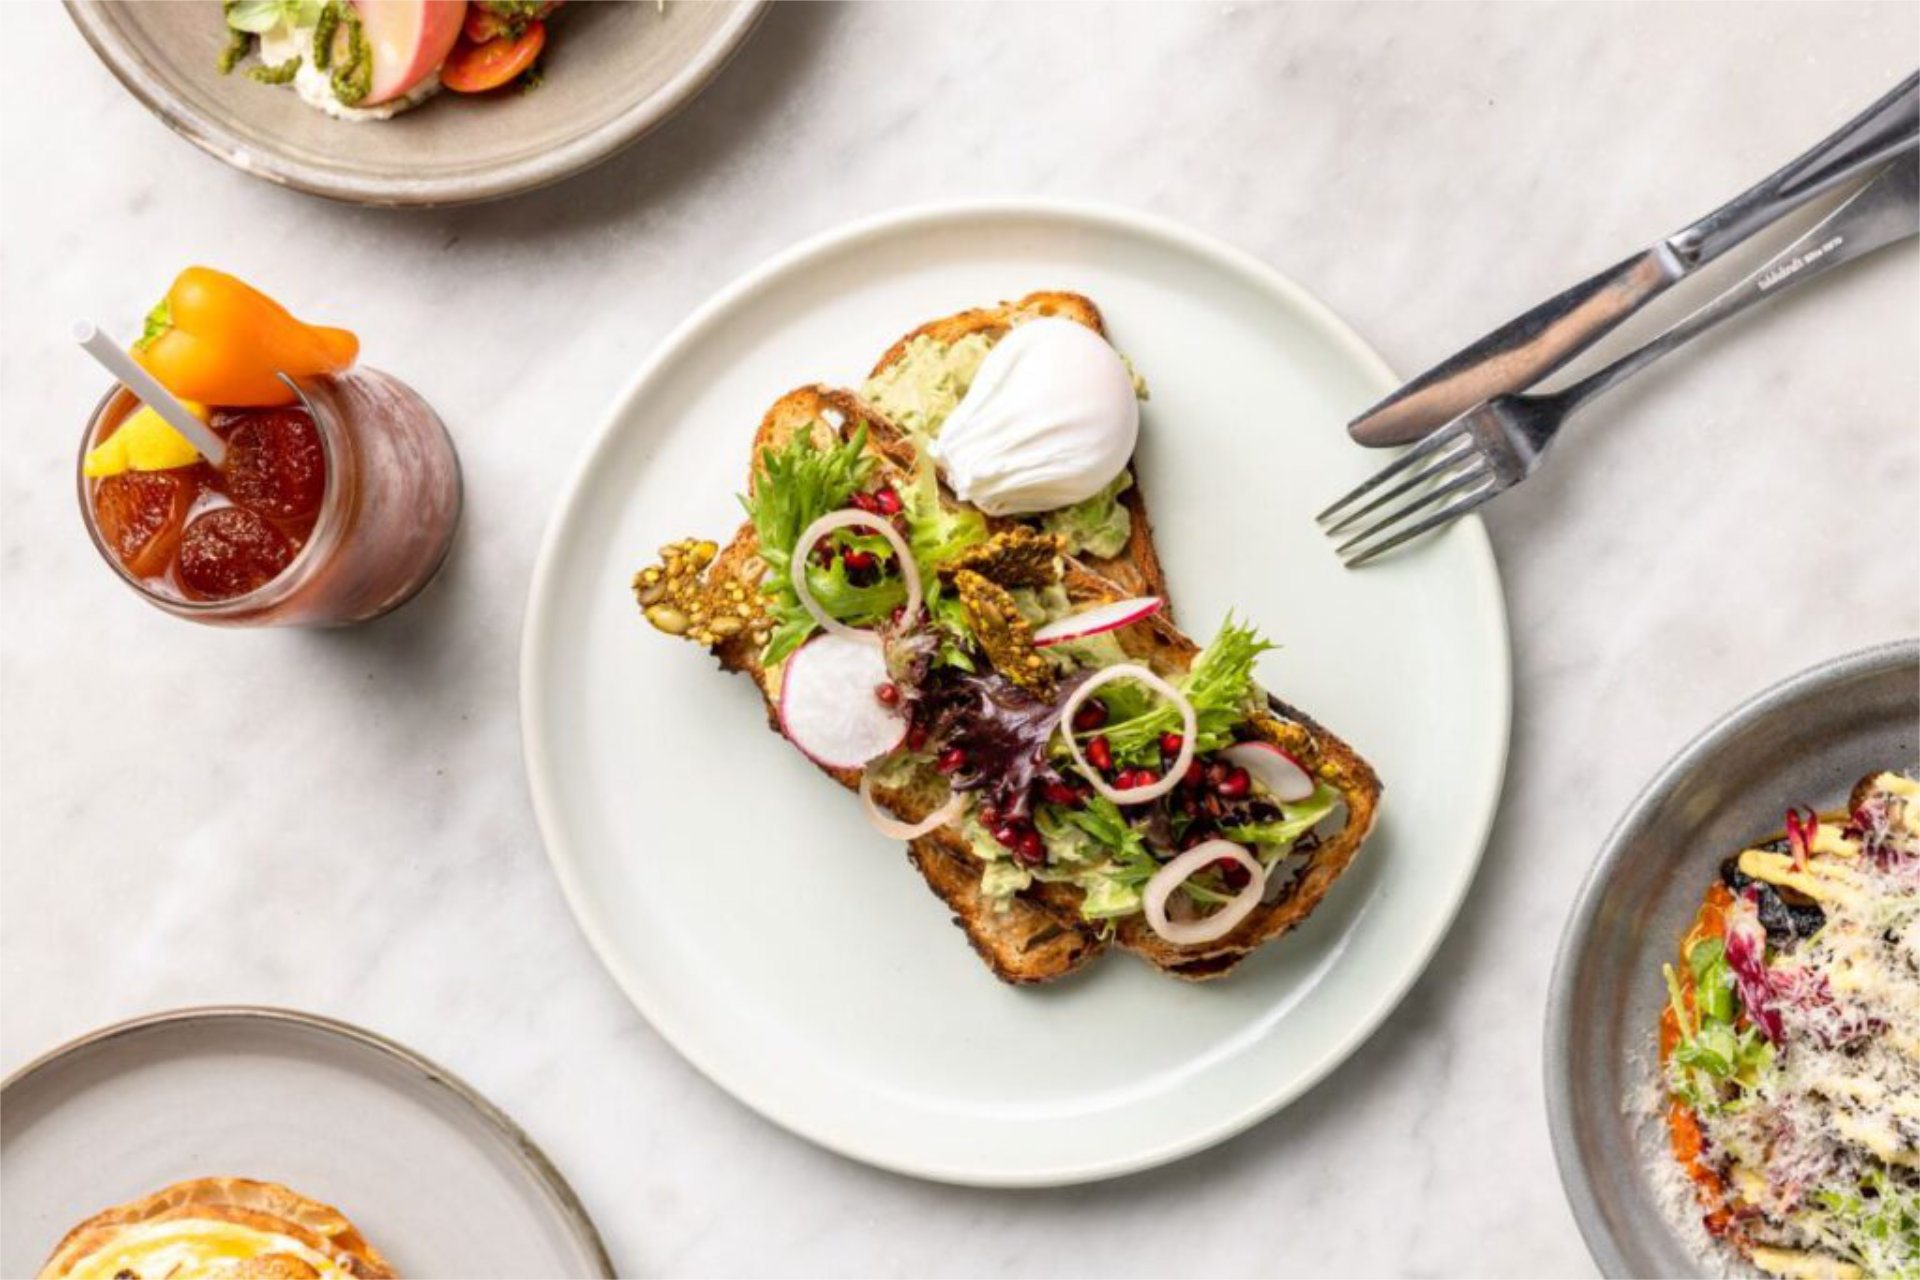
(534,641)
(531,1156)
(130,67)
(1575,1178)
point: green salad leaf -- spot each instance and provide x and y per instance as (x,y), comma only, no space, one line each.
(799,483)
(1715,1060)
(1220,686)
(257,17)
(936,534)
(1271,840)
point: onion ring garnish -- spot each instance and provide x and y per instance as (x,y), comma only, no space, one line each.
(1187,933)
(851,519)
(898,830)
(1189,729)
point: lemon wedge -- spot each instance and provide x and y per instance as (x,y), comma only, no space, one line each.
(144,442)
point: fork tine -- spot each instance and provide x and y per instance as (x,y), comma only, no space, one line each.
(1425,448)
(1448,460)
(1446,515)
(1473,475)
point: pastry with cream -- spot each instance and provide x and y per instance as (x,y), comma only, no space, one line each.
(229,1228)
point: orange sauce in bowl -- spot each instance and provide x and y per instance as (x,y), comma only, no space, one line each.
(1683,1126)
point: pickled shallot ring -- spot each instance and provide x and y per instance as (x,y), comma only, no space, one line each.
(851,519)
(898,830)
(1188,724)
(1187,933)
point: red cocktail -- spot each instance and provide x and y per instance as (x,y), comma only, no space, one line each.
(331,510)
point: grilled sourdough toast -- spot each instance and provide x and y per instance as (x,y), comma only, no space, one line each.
(1026,942)
(1039,934)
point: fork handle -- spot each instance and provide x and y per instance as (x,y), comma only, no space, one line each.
(1883,129)
(1884,211)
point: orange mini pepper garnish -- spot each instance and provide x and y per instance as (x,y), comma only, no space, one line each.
(221,341)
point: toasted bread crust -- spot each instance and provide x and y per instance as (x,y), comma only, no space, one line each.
(1040,935)
(263,1206)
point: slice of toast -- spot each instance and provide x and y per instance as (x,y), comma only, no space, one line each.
(1136,569)
(1026,942)
(1040,936)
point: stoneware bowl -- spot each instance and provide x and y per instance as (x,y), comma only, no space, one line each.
(1805,740)
(613,72)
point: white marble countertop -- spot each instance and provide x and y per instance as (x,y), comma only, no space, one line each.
(337,822)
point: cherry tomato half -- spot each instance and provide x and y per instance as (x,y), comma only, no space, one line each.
(476,68)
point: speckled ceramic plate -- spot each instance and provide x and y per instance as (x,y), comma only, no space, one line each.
(613,71)
(439,1179)
(785,947)
(1804,741)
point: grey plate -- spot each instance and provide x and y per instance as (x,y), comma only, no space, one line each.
(437,1177)
(1806,740)
(613,72)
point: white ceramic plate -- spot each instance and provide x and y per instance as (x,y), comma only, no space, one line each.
(436,1177)
(789,951)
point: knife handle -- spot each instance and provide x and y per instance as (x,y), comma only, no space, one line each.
(1886,127)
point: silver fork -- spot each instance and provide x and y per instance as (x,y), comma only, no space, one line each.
(1494,446)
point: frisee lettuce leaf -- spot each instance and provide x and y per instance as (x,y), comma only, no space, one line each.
(798,484)
(1220,686)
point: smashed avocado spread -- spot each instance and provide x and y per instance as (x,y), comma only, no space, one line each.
(926,384)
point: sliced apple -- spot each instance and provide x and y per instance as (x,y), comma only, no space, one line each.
(408,39)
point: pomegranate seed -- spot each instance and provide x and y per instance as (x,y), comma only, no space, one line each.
(1144,778)
(1060,793)
(887,502)
(1170,744)
(858,561)
(1007,834)
(1032,849)
(1217,773)
(1195,776)
(916,737)
(888,693)
(989,817)
(1091,715)
(1099,754)
(950,759)
(1235,785)
(1236,876)
(866,502)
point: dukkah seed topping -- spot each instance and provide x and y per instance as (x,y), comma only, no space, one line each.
(1016,557)
(677,597)
(1005,635)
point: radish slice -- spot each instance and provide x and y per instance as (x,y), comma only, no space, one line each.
(1096,621)
(1189,725)
(1187,933)
(851,519)
(828,707)
(1273,769)
(892,826)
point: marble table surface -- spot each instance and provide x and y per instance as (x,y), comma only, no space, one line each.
(338,821)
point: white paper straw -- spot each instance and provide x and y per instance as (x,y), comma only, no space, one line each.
(151,393)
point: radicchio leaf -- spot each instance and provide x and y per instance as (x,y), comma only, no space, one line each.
(1003,729)
(1746,941)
